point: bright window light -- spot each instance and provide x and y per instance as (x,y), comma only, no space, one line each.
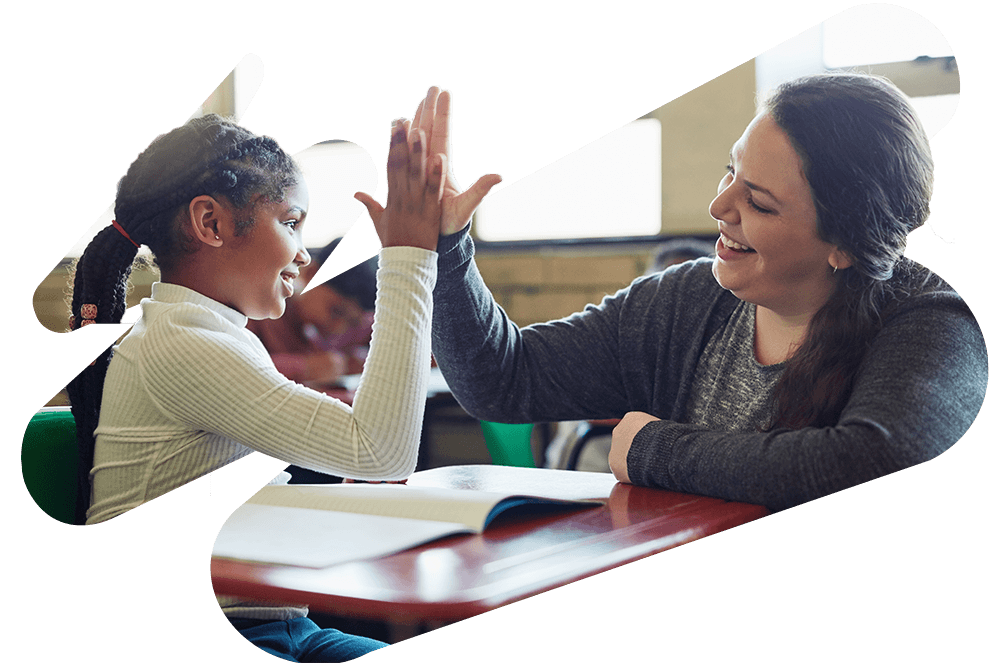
(334,171)
(864,36)
(248,80)
(609,188)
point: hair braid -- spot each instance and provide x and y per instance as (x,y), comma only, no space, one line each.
(209,155)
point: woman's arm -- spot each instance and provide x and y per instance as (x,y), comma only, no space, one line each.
(560,370)
(917,393)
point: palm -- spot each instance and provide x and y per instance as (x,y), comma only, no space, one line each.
(433,117)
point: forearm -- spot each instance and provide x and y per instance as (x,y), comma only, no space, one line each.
(918,391)
(778,470)
(201,378)
(473,341)
(562,370)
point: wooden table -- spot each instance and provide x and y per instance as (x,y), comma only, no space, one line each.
(522,553)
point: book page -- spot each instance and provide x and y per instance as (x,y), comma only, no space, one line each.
(316,538)
(469,508)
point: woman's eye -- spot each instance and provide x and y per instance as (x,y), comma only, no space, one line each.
(758,208)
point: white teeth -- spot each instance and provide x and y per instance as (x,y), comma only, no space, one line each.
(734,245)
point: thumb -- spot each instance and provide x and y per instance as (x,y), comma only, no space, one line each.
(374,208)
(470,199)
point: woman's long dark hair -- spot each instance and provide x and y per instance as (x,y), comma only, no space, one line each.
(867,161)
(206,156)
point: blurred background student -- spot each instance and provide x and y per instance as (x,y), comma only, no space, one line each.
(325,332)
(323,335)
(584,445)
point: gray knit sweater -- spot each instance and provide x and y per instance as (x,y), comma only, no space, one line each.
(917,391)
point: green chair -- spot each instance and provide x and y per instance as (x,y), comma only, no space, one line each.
(49,462)
(509,444)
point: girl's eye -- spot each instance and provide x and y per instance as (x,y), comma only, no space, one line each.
(292,224)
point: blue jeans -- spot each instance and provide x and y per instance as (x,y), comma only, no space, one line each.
(302,640)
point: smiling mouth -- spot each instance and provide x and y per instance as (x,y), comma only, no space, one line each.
(735,246)
(288,279)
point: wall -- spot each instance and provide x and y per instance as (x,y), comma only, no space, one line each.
(536,284)
(544,283)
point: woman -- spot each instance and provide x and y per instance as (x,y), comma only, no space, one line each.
(808,356)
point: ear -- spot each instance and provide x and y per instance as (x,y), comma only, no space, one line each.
(839,259)
(203,216)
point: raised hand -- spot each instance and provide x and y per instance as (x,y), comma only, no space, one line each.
(433,118)
(414,193)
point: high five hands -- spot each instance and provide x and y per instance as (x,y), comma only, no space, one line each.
(414,193)
(430,128)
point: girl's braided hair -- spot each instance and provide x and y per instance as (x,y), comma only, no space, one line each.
(209,155)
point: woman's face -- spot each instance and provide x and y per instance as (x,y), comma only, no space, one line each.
(263,264)
(769,252)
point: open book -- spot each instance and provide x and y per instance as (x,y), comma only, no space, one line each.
(320,525)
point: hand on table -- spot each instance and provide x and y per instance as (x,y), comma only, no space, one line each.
(415,179)
(433,119)
(622,437)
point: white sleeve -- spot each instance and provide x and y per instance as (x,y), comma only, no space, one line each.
(205,377)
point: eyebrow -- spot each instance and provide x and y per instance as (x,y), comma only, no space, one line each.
(298,208)
(756,187)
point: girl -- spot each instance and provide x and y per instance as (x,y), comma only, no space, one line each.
(808,356)
(189,389)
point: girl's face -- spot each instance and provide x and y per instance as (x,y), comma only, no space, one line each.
(769,252)
(263,264)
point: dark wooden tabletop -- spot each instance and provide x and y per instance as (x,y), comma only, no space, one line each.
(523,552)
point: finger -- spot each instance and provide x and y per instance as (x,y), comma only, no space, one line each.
(374,208)
(440,125)
(436,178)
(397,159)
(416,163)
(418,113)
(468,201)
(428,114)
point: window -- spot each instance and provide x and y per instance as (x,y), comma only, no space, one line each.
(335,169)
(608,188)
(880,39)
(614,188)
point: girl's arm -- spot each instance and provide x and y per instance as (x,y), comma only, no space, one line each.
(207,378)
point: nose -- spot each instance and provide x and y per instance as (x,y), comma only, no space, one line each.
(721,208)
(303,258)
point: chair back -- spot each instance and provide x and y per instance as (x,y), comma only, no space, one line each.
(509,444)
(49,462)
